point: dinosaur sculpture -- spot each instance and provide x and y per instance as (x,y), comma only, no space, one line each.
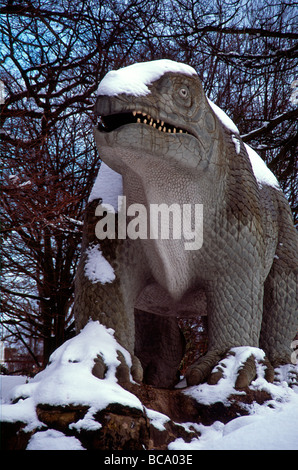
(170,144)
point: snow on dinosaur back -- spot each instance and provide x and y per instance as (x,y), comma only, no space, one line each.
(262,173)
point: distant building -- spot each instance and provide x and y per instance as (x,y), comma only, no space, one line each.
(18,361)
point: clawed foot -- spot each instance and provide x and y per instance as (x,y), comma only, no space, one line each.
(205,370)
(124,373)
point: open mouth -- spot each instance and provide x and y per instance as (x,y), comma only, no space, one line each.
(114,121)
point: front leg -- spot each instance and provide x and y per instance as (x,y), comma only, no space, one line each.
(105,287)
(160,346)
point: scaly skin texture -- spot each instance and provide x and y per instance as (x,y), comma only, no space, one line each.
(246,268)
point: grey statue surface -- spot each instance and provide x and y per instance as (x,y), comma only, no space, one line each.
(159,131)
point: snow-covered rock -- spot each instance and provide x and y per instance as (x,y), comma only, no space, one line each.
(68,382)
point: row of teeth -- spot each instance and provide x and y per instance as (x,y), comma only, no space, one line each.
(156,123)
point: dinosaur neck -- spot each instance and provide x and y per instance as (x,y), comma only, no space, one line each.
(183,199)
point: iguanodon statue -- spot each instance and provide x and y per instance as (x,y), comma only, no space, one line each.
(171,145)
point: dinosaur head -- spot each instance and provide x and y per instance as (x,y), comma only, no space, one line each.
(156,109)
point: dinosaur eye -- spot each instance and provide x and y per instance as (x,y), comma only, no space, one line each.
(183,92)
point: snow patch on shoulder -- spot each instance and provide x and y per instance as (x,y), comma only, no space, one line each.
(97,268)
(108,186)
(134,79)
(262,173)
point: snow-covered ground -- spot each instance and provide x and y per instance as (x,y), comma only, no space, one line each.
(271,426)
(68,380)
(266,429)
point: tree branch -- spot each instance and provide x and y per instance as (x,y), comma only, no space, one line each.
(21,294)
(268,126)
(235,31)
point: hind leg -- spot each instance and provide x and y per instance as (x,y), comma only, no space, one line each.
(280,316)
(234,320)
(160,347)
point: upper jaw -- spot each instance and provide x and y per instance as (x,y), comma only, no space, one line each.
(114,113)
(112,122)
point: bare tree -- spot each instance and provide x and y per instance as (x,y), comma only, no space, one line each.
(53,57)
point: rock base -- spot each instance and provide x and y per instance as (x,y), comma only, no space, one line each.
(123,428)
